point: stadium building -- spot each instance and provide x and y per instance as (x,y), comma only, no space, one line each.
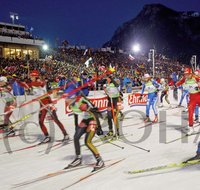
(16,42)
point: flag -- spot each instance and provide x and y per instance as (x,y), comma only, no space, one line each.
(131,57)
(88,62)
(31,29)
(112,69)
(102,68)
(85,52)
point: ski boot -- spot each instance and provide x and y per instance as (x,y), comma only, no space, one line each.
(189,130)
(155,119)
(110,133)
(10,132)
(65,138)
(99,164)
(197,157)
(147,119)
(76,162)
(116,135)
(47,139)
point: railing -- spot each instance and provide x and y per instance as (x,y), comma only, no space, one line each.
(8,39)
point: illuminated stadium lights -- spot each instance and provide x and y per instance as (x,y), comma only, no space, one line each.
(14,16)
(136,48)
(45,47)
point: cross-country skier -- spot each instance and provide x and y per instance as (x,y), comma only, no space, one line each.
(87,126)
(10,103)
(113,94)
(192,84)
(164,92)
(38,88)
(152,87)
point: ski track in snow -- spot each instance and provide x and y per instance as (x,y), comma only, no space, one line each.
(33,163)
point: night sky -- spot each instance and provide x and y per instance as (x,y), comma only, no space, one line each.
(81,22)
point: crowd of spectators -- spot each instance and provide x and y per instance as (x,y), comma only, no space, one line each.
(67,63)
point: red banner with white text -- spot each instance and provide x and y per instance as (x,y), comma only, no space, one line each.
(133,100)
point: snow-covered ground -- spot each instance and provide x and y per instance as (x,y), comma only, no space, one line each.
(29,164)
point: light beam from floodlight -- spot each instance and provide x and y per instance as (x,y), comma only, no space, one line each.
(136,48)
(45,47)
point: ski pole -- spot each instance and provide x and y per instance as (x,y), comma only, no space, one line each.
(121,147)
(147,150)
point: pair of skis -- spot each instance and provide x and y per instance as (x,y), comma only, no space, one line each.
(164,167)
(58,142)
(108,164)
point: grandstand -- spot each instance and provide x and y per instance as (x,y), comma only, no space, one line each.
(16,42)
